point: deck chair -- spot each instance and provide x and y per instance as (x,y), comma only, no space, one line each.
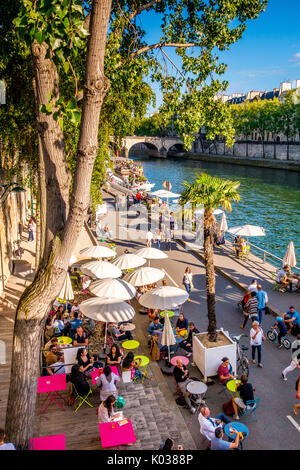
(250,410)
(82,399)
(276,285)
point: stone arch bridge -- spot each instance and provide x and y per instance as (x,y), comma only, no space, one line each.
(156,146)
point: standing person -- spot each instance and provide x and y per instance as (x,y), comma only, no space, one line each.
(167,238)
(158,238)
(253,286)
(262,300)
(250,309)
(149,238)
(187,280)
(236,244)
(256,338)
(297,405)
(31,229)
(172,221)
(295,363)
(107,383)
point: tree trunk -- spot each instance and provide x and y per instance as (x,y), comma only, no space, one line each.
(36,300)
(210,275)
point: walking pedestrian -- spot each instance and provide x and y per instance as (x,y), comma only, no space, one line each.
(250,310)
(167,238)
(262,300)
(256,338)
(295,363)
(31,229)
(297,405)
(149,238)
(158,238)
(187,280)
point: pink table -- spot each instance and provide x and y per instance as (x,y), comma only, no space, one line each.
(51,384)
(120,435)
(57,442)
(184,360)
(96,373)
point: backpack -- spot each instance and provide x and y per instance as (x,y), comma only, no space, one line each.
(120,403)
(228,408)
(154,350)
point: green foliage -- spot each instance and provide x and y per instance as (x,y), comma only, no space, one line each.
(210,191)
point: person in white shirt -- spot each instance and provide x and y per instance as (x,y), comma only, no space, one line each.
(3,445)
(106,411)
(149,238)
(58,367)
(256,338)
(253,286)
(75,308)
(208,425)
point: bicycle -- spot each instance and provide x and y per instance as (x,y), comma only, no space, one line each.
(242,361)
(272,335)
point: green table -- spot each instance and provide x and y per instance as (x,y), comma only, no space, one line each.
(231,386)
(130,344)
(169,312)
(64,340)
(143,363)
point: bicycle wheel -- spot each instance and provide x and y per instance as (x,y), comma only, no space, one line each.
(286,343)
(271,335)
(243,367)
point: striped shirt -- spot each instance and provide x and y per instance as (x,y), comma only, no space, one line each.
(251,306)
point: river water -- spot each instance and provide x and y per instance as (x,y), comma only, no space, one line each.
(269,197)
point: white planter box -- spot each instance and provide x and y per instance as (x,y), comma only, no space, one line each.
(209,359)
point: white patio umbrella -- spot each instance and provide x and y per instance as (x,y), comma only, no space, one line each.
(151,253)
(73,260)
(201,211)
(116,288)
(163,298)
(101,270)
(248,231)
(165,193)
(97,251)
(167,338)
(129,261)
(290,257)
(107,309)
(66,292)
(144,276)
(223,223)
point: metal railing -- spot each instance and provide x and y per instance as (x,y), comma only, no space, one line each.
(264,255)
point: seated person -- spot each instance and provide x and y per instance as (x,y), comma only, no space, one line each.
(89,326)
(157,337)
(58,325)
(53,342)
(155,326)
(181,325)
(52,355)
(119,335)
(181,375)
(114,357)
(76,274)
(281,278)
(75,323)
(218,443)
(80,338)
(87,362)
(107,383)
(78,379)
(5,445)
(208,425)
(246,393)
(187,344)
(221,239)
(282,330)
(129,363)
(58,367)
(291,319)
(49,330)
(75,308)
(106,412)
(225,371)
(151,314)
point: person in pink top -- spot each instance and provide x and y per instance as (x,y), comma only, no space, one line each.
(224,371)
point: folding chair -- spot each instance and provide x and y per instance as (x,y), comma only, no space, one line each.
(82,399)
(276,285)
(75,282)
(250,410)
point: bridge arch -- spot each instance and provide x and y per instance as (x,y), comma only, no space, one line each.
(175,147)
(151,148)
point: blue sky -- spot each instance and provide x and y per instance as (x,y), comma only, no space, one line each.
(268,53)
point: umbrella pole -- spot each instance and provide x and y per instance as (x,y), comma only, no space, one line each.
(104,350)
(169,352)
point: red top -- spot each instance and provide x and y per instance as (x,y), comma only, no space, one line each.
(223,370)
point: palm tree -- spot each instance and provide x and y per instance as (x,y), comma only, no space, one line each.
(212,192)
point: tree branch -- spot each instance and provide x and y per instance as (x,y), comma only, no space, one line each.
(140,10)
(159,45)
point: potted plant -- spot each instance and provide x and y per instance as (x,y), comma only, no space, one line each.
(211,192)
